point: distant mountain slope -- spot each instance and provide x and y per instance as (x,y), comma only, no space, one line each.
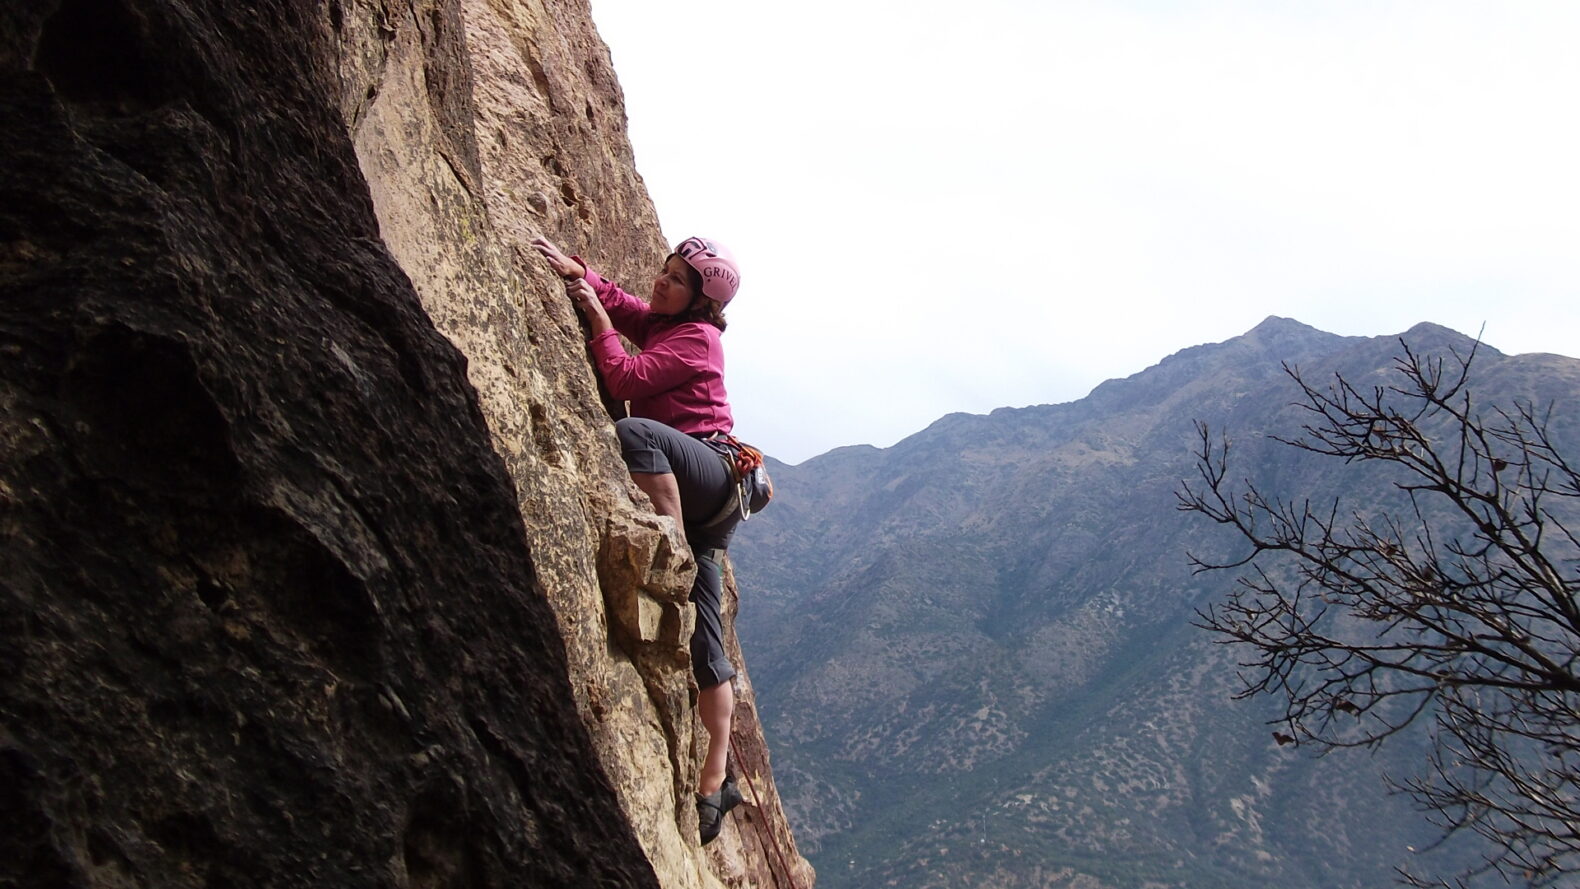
(974,648)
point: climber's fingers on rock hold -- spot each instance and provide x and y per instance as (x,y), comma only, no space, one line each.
(580,292)
(561,264)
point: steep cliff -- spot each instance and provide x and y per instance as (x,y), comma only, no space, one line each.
(320,565)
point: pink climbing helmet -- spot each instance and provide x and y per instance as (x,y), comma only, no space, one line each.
(720,276)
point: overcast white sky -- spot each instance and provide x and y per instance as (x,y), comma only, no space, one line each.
(945,207)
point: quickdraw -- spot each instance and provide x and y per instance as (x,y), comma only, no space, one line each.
(753,489)
(747,457)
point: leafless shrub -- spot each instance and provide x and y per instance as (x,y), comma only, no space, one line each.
(1447,599)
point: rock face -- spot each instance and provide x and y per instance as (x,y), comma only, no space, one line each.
(320,566)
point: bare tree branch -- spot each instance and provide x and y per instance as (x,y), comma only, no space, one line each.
(1453,597)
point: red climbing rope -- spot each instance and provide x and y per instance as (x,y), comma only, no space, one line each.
(758,800)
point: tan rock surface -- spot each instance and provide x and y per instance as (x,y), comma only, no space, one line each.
(320,565)
(462,181)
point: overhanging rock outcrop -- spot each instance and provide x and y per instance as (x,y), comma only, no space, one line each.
(319,563)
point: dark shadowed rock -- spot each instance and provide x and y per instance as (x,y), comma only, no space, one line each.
(319,564)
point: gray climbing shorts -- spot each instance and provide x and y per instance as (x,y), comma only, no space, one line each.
(705,485)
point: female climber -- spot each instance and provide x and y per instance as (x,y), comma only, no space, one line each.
(675,386)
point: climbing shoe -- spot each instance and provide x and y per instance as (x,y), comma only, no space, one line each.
(712,808)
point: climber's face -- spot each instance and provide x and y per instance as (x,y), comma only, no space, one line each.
(672,293)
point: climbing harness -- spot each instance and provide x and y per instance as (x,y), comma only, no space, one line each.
(758,801)
(752,489)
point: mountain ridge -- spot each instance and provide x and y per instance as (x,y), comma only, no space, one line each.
(985,603)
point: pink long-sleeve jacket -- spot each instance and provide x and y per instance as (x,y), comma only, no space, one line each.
(677,378)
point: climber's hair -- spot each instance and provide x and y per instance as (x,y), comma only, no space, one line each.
(708,311)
